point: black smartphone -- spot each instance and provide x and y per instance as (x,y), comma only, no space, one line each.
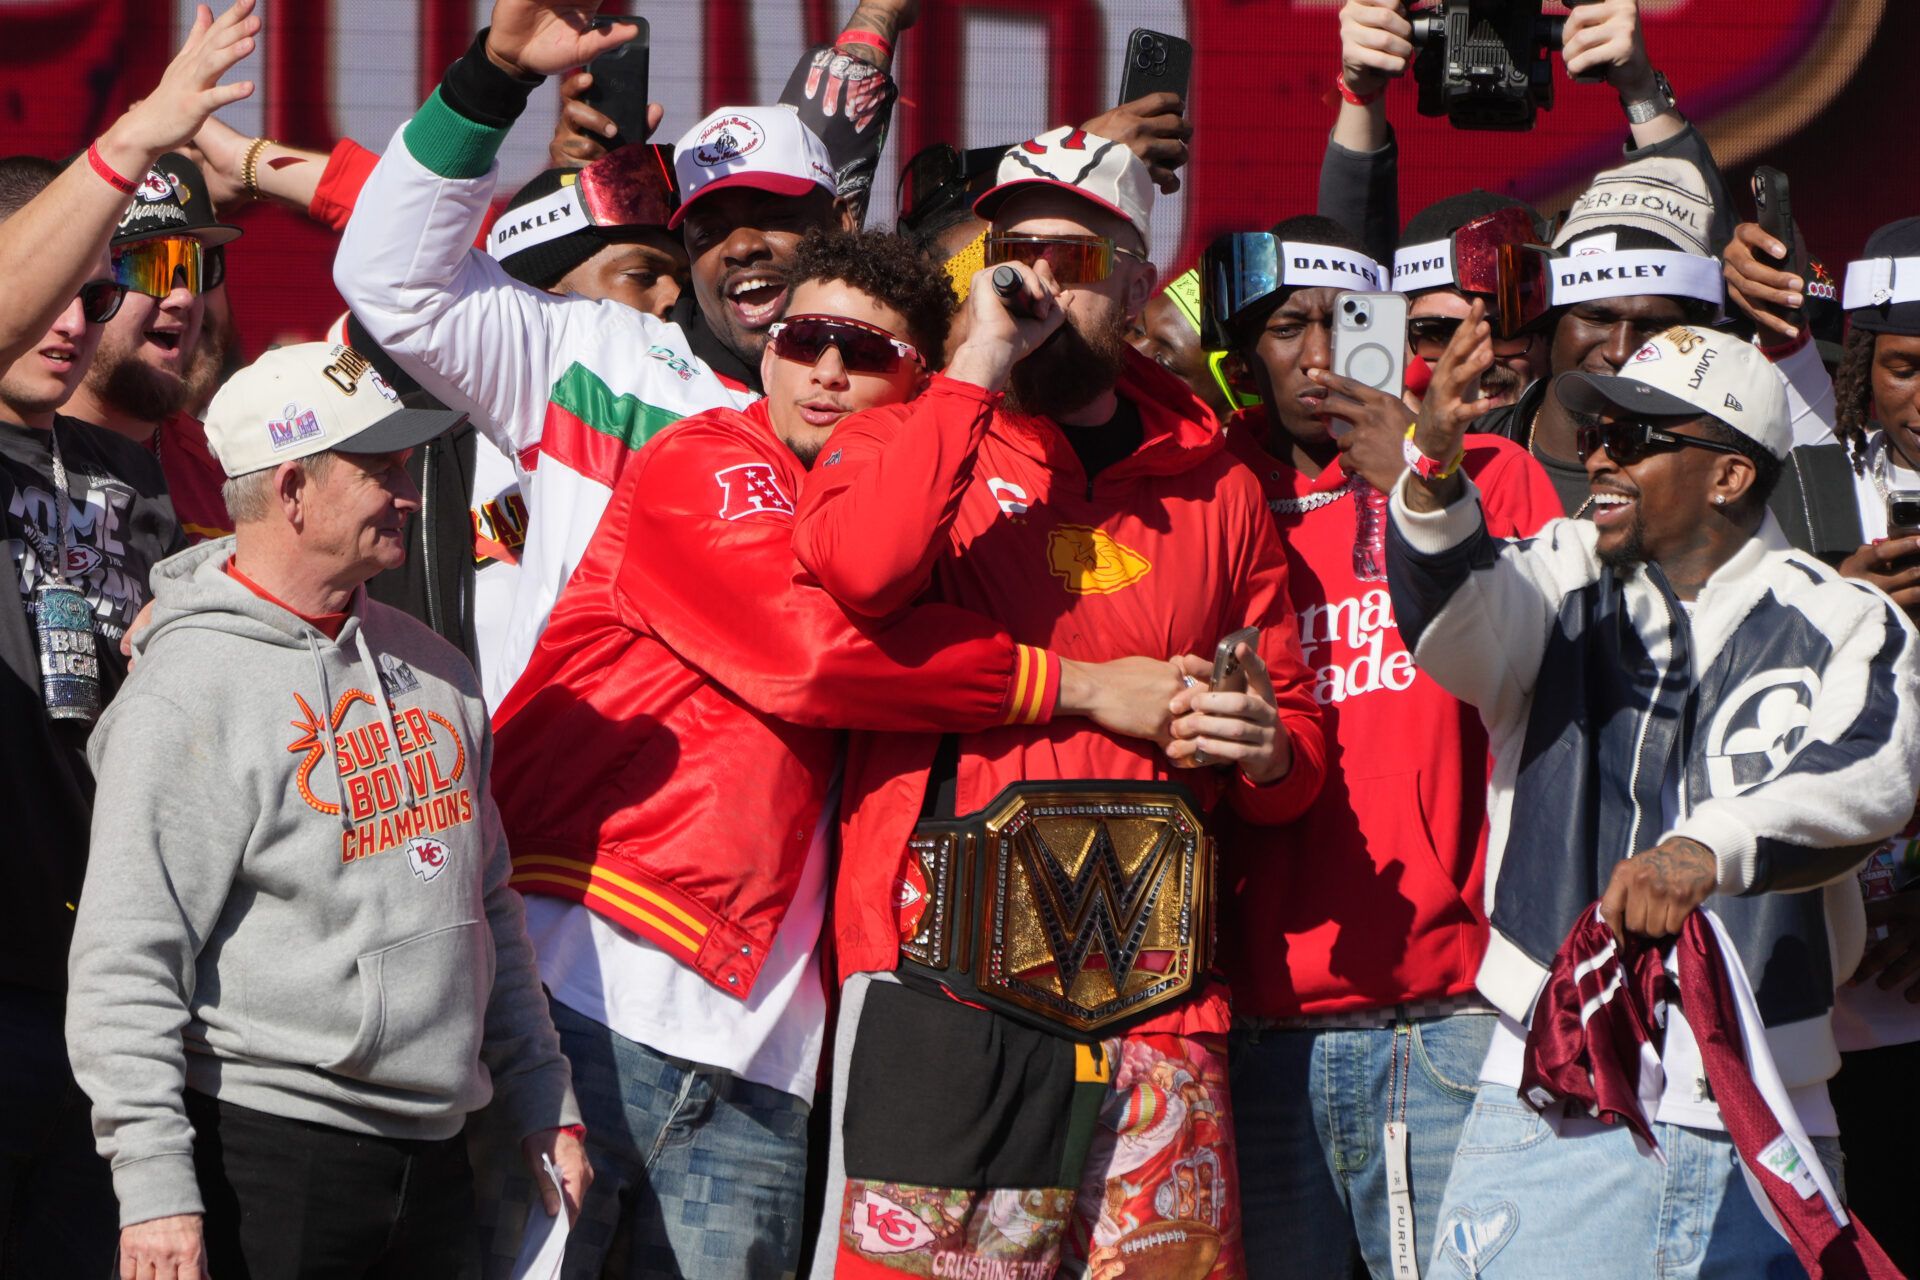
(1903,513)
(619,88)
(1773,208)
(1156,63)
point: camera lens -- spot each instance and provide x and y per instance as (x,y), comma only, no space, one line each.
(1347,306)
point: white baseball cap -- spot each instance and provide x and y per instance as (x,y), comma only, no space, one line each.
(767,148)
(310,398)
(1688,371)
(1096,168)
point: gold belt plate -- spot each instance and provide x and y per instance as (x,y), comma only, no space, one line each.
(1097,907)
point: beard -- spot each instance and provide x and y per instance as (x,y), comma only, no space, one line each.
(1070,369)
(140,392)
(207,364)
(1631,552)
(1500,383)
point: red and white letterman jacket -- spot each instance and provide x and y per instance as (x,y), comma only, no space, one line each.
(665,755)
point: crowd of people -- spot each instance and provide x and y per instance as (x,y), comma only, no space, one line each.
(692,735)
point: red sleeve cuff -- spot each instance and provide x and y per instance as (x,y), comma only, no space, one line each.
(1035,690)
(348,168)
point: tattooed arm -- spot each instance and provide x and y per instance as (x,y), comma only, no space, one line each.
(1652,892)
(883,18)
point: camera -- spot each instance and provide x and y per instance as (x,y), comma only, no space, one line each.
(1486,64)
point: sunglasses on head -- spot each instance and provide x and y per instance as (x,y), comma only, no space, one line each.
(1628,442)
(152,266)
(100,300)
(1073,259)
(863,348)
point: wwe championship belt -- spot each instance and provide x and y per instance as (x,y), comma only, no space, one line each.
(1079,907)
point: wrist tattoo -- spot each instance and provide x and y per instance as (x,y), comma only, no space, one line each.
(1682,867)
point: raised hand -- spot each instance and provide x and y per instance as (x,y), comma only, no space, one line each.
(1376,43)
(997,339)
(1446,413)
(1774,296)
(545,37)
(189,90)
(1154,128)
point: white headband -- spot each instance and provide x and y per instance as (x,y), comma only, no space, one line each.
(537,222)
(1318,266)
(1423,266)
(1875,282)
(1627,273)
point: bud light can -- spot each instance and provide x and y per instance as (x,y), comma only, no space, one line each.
(69,662)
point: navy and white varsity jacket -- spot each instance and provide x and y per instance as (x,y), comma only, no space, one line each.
(1777,725)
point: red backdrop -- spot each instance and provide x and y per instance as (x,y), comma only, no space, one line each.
(1812,86)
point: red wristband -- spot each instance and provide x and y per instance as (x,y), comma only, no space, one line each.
(124,186)
(579,1131)
(1357,99)
(851,36)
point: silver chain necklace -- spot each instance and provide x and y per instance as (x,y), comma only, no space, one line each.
(1313,501)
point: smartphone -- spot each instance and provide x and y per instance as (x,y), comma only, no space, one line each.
(1228,675)
(1156,63)
(619,88)
(1370,339)
(1903,513)
(1772,207)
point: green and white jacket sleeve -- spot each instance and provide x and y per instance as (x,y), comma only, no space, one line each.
(450,315)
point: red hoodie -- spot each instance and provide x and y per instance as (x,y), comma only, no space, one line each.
(1163,553)
(1374,897)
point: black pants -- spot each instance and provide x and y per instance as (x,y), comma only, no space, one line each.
(1879,1127)
(57,1212)
(289,1200)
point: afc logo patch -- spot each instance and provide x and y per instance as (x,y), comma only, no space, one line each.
(751,489)
(428,857)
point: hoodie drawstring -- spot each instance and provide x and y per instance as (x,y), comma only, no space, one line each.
(386,709)
(326,722)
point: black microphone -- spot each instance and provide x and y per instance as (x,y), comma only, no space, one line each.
(1012,291)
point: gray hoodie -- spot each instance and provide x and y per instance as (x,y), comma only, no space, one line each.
(244,934)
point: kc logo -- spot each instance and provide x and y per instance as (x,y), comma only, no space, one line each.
(428,858)
(1089,562)
(750,489)
(881,1225)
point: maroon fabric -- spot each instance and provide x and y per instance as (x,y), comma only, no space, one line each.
(1824,1248)
(1596,1063)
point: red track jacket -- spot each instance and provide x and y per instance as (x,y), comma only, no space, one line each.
(1375,896)
(664,757)
(1164,553)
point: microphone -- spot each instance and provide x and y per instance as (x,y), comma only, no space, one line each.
(1012,291)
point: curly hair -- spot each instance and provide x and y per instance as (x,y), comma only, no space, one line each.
(1853,393)
(888,268)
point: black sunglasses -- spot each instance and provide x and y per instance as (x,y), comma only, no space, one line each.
(1429,335)
(863,348)
(1628,443)
(100,300)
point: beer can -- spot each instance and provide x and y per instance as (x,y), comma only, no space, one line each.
(69,660)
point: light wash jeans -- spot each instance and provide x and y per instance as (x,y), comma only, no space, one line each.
(1524,1202)
(696,1172)
(1310,1110)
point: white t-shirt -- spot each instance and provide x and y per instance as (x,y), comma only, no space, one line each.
(620,980)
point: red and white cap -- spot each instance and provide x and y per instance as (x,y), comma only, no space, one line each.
(766,148)
(1097,168)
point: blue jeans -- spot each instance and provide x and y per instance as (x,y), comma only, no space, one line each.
(1310,1109)
(1589,1205)
(697,1172)
(58,1216)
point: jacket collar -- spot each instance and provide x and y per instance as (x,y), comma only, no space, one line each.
(1177,430)
(719,357)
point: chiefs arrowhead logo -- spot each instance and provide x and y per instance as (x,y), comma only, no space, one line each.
(1089,562)
(428,858)
(910,899)
(881,1225)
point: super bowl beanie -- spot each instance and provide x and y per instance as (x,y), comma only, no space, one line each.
(542,265)
(1663,199)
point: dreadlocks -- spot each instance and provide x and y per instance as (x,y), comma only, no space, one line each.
(1853,393)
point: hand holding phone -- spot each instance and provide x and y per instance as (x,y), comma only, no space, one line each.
(1229,673)
(619,88)
(1370,339)
(1156,63)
